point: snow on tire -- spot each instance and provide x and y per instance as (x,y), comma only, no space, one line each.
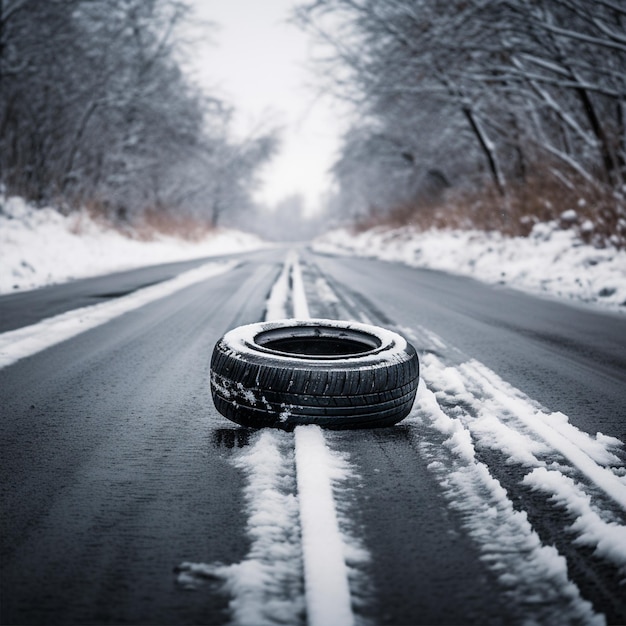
(332,373)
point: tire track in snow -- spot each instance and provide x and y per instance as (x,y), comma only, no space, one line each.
(533,577)
(568,483)
(465,409)
(477,413)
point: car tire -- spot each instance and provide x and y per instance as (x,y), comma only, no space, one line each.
(332,373)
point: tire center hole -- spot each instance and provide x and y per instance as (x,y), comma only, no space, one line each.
(313,341)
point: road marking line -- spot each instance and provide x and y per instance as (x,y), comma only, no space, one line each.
(298,295)
(325,572)
(276,305)
(24,342)
(327,588)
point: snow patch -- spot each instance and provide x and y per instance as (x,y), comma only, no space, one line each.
(41,247)
(266,587)
(324,292)
(549,261)
(533,576)
(607,538)
(326,574)
(28,340)
(593,457)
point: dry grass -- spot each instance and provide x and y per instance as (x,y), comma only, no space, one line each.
(146,226)
(598,216)
(153,223)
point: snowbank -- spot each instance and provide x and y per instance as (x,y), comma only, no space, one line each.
(551,261)
(40,247)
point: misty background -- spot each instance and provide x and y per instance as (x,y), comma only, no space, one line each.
(490,115)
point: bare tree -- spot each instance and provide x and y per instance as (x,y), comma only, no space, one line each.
(484,92)
(95,109)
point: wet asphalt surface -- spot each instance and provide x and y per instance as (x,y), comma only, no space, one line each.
(568,357)
(116,467)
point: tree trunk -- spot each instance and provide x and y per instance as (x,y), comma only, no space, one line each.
(76,143)
(487,148)
(608,163)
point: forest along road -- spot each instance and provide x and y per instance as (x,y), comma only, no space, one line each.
(126,498)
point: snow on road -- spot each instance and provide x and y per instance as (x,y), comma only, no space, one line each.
(40,247)
(266,587)
(292,523)
(551,261)
(287,297)
(28,340)
(533,577)
(463,408)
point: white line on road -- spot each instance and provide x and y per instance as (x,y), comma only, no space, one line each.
(24,342)
(276,305)
(278,301)
(325,573)
(326,576)
(298,295)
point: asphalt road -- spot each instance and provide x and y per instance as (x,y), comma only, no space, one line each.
(29,307)
(571,358)
(116,467)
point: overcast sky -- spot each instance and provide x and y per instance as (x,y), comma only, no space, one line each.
(258,62)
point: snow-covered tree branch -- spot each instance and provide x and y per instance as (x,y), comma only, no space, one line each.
(96,111)
(489,94)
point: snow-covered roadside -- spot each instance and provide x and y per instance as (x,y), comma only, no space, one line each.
(550,261)
(40,247)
